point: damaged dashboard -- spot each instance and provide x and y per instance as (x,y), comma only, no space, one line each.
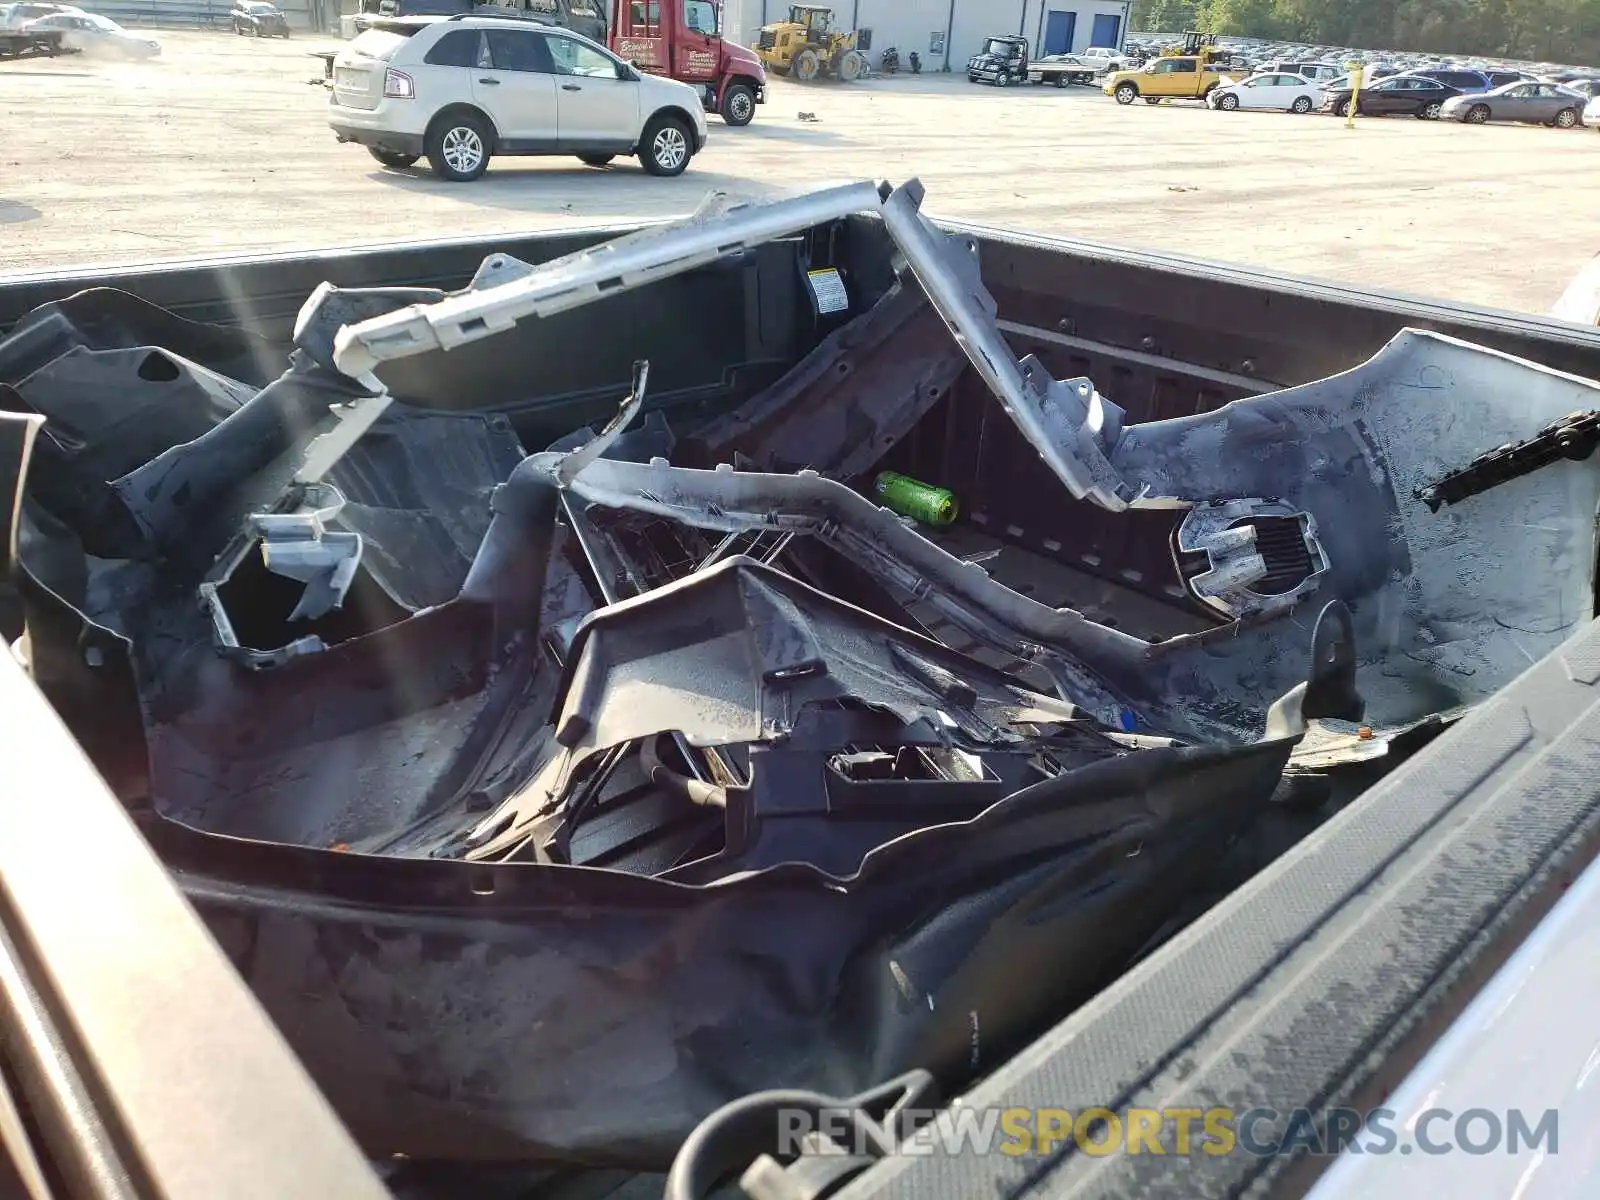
(553,793)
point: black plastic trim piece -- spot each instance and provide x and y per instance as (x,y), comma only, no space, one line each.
(1324,979)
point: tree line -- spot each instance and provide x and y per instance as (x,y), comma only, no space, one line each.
(1544,30)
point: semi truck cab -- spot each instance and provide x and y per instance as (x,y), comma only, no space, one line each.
(683,39)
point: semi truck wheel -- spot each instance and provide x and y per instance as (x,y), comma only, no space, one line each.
(738,105)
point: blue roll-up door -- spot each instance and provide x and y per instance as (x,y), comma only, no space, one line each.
(1058,30)
(1107,28)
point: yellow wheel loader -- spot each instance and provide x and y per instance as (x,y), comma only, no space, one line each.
(807,46)
(1201,46)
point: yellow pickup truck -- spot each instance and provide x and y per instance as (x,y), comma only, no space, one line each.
(1185,78)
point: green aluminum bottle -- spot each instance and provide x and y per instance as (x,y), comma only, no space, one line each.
(912,498)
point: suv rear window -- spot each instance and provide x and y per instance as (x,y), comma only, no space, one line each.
(379,44)
(458,48)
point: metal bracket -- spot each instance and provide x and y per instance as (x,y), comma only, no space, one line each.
(1573,438)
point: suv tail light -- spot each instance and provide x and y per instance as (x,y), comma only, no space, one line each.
(398,85)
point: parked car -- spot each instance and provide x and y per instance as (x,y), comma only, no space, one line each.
(1063,69)
(1282,92)
(1454,77)
(1369,77)
(1320,72)
(1499,78)
(1416,95)
(15,16)
(1530,103)
(90,33)
(1003,60)
(1591,113)
(463,90)
(1108,59)
(257,18)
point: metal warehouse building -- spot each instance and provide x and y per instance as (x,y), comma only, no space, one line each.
(948,32)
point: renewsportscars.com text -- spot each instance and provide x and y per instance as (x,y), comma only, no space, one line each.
(1262,1132)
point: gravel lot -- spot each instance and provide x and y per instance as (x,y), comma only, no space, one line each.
(220,145)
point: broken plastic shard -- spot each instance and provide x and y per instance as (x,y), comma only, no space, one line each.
(1068,422)
(300,546)
(352,420)
(602,441)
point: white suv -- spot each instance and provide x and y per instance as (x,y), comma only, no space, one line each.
(464,89)
(1316,72)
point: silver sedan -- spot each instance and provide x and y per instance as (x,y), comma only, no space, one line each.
(1532,103)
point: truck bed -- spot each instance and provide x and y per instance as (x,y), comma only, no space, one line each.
(1162,336)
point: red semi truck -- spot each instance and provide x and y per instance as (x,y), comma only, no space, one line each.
(683,39)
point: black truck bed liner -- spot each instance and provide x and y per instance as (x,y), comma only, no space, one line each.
(1321,981)
(1320,954)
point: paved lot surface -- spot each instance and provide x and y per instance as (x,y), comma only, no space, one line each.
(221,145)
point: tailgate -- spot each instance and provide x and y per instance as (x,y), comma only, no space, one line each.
(357,85)
(358,69)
